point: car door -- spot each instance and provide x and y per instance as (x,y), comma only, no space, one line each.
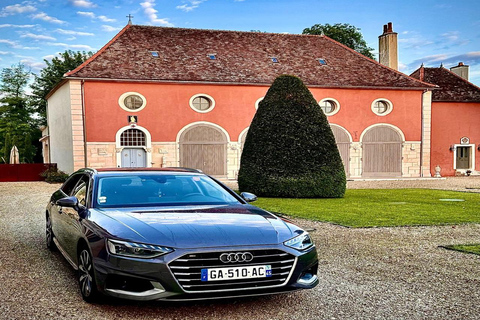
(56,212)
(72,221)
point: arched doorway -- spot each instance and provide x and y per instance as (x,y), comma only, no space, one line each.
(204,147)
(133,155)
(343,140)
(382,152)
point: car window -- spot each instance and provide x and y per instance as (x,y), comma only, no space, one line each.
(80,190)
(70,184)
(161,190)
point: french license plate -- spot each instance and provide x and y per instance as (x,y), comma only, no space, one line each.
(233,273)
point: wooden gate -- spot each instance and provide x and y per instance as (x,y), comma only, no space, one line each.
(204,147)
(343,144)
(382,152)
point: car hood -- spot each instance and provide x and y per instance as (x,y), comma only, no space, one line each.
(195,226)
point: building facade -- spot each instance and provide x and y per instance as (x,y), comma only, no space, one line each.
(158,97)
(455,120)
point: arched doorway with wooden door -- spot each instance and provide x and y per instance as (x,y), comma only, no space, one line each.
(382,151)
(204,146)
(343,140)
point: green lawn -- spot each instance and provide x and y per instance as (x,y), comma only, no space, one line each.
(467,248)
(383,207)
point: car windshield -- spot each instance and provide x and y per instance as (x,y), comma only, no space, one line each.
(160,190)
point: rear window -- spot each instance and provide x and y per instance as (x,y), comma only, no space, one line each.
(160,190)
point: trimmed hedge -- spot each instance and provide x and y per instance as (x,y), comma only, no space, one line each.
(290,150)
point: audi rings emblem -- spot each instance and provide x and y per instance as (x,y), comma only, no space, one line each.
(236,257)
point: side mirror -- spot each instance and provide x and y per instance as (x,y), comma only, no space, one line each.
(69,202)
(249,197)
(72,202)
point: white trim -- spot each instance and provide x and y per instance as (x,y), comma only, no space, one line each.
(244,131)
(337,106)
(389,107)
(383,124)
(258,101)
(212,101)
(179,134)
(472,156)
(121,101)
(348,133)
(119,148)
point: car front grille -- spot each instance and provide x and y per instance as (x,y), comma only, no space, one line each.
(188,269)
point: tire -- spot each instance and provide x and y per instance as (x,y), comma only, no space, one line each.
(86,276)
(49,234)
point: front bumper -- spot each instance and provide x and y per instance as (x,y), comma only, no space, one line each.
(153,279)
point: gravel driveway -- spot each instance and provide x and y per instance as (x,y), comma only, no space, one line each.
(382,273)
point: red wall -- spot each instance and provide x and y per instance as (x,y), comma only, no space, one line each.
(450,122)
(168,111)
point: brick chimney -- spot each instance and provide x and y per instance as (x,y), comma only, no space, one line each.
(461,70)
(388,47)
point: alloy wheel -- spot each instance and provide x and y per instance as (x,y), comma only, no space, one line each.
(49,234)
(85,277)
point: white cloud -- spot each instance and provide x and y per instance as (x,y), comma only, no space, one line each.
(106,19)
(37,36)
(43,16)
(5,52)
(9,42)
(16,45)
(16,9)
(86,14)
(149,10)
(75,33)
(71,38)
(49,57)
(110,28)
(71,46)
(83,3)
(452,38)
(92,15)
(191,5)
(34,65)
(469,58)
(8,25)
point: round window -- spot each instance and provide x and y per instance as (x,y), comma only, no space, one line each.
(329,106)
(202,103)
(381,107)
(132,101)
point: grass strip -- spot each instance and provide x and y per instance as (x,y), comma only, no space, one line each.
(383,208)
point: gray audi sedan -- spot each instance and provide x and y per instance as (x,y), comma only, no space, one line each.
(173,234)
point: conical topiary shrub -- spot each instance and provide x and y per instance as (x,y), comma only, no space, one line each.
(290,150)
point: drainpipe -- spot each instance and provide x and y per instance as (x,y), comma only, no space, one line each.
(422,136)
(84,125)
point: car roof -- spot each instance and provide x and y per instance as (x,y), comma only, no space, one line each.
(137,170)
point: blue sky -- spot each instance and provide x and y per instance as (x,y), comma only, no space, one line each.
(432,32)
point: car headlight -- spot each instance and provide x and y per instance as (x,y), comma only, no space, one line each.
(136,250)
(300,242)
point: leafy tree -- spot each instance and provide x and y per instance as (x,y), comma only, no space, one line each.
(344,33)
(16,123)
(51,75)
(290,150)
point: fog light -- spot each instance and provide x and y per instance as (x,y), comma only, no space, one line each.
(307,278)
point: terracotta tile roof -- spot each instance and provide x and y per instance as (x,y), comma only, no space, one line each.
(452,86)
(241,57)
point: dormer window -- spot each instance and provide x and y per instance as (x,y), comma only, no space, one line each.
(274,60)
(322,62)
(212,56)
(154,54)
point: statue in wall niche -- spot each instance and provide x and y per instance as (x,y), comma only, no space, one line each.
(437,172)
